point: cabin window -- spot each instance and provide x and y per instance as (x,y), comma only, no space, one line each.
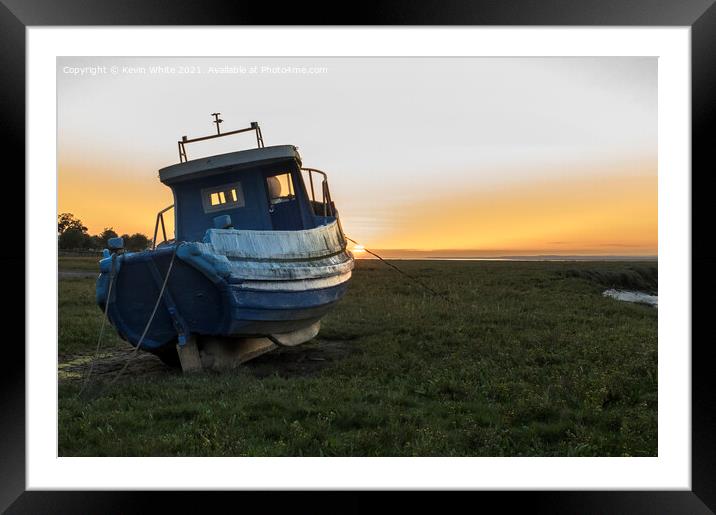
(218,198)
(280,188)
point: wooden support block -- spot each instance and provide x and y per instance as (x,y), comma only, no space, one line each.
(189,356)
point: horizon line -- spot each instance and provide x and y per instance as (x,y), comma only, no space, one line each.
(467,255)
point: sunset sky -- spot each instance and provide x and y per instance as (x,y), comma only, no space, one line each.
(456,156)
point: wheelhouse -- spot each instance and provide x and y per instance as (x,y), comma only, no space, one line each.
(263,189)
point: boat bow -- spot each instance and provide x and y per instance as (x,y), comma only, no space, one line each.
(273,260)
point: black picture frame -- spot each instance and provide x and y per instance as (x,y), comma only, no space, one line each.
(699,15)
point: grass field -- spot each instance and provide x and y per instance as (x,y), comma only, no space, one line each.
(524,359)
(78,264)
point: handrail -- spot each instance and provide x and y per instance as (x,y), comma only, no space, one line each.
(325,191)
(160,218)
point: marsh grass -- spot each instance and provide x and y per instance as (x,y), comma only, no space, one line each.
(639,276)
(524,359)
(79,264)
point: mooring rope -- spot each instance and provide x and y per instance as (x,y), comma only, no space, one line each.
(163,288)
(406,274)
(149,322)
(146,327)
(101,329)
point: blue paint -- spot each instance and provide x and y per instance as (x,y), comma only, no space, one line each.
(207,307)
(223,222)
(115,243)
(257,212)
(202,296)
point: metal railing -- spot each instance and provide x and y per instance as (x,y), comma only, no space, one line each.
(160,220)
(325,191)
(184,140)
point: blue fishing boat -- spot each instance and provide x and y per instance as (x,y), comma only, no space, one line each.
(258,258)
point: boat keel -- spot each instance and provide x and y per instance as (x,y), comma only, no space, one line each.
(219,353)
(223,353)
(297,337)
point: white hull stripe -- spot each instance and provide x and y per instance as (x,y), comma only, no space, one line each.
(297,285)
(281,256)
(321,241)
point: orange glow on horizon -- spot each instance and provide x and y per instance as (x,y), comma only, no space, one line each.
(609,213)
(612,213)
(106,196)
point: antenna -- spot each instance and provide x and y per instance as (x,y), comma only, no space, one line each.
(217,121)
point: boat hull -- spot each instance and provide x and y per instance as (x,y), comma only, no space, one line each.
(215,290)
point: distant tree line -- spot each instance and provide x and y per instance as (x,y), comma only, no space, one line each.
(72,235)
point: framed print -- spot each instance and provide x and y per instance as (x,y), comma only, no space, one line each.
(418,253)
